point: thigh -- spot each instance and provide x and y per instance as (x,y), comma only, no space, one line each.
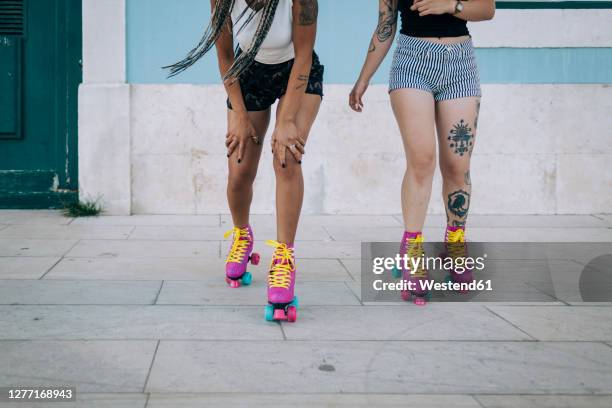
(252,153)
(414,111)
(456,121)
(306,115)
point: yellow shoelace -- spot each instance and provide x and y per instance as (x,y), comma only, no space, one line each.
(282,265)
(455,238)
(240,245)
(415,250)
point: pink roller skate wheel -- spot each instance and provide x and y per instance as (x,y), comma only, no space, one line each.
(228,280)
(279,314)
(255,258)
(419,301)
(234,284)
(405,295)
(291,314)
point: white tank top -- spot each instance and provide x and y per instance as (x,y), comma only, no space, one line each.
(277,47)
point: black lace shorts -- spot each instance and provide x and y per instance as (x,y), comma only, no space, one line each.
(263,84)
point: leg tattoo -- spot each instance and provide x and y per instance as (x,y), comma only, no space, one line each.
(458,204)
(461,138)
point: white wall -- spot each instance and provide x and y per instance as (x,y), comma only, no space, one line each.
(538,151)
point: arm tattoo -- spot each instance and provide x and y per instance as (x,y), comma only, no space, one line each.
(372,47)
(387,19)
(303,81)
(309,12)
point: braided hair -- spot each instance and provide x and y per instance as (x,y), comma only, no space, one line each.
(220,18)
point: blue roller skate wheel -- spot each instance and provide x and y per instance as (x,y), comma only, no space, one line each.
(294,302)
(396,273)
(247,278)
(269,313)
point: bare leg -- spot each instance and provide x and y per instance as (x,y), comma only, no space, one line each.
(414,112)
(456,120)
(242,175)
(289,180)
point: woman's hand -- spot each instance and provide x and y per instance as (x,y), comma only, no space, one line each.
(240,131)
(286,136)
(427,7)
(355,101)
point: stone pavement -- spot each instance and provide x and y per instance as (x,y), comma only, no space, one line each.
(134,312)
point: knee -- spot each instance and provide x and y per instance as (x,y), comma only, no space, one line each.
(291,170)
(240,178)
(454,171)
(422,166)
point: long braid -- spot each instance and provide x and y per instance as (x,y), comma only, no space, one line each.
(218,20)
(245,59)
(220,15)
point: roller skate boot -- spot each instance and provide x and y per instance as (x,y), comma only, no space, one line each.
(282,302)
(456,247)
(240,254)
(415,275)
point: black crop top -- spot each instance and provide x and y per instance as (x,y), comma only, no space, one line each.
(444,25)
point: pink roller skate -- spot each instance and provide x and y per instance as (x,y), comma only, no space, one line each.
(456,248)
(412,245)
(282,303)
(239,256)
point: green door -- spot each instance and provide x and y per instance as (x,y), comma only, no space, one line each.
(40,70)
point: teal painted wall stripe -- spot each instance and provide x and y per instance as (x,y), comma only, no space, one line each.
(160,32)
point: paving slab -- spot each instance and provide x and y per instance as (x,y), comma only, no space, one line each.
(555,323)
(323,220)
(383,367)
(90,366)
(153,249)
(37,217)
(89,400)
(22,267)
(35,247)
(540,234)
(332,249)
(191,233)
(607,218)
(209,269)
(135,322)
(545,401)
(280,400)
(379,234)
(535,221)
(71,292)
(402,322)
(170,220)
(218,293)
(66,232)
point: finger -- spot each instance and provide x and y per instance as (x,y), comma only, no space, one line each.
(231,148)
(228,140)
(296,154)
(241,147)
(299,148)
(282,153)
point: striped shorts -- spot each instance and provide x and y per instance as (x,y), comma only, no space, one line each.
(448,71)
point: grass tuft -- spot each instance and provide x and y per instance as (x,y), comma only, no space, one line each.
(86,208)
